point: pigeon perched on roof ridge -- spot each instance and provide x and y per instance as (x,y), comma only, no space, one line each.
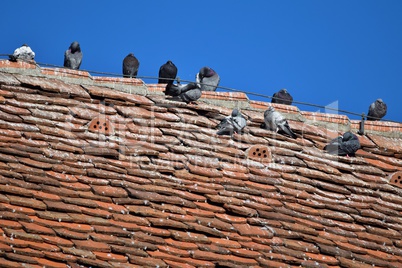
(24,52)
(282,97)
(130,66)
(274,121)
(377,110)
(73,56)
(167,73)
(233,123)
(207,79)
(345,145)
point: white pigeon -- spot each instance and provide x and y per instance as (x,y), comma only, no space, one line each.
(23,53)
(274,121)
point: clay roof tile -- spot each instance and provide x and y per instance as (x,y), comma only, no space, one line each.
(161,188)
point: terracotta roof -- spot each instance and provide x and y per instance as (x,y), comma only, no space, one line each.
(106,172)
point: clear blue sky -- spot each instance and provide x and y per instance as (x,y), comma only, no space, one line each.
(344,53)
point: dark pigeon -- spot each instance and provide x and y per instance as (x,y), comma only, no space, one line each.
(130,66)
(377,110)
(233,123)
(73,56)
(187,93)
(345,145)
(167,73)
(274,121)
(282,97)
(23,53)
(207,79)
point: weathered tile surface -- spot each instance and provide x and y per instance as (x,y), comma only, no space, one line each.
(162,189)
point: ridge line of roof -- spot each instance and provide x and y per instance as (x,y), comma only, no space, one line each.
(228,100)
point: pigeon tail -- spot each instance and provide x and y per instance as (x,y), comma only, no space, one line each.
(288,131)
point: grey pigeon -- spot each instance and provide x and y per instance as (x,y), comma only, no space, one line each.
(130,66)
(345,145)
(282,97)
(73,56)
(23,53)
(274,121)
(377,110)
(167,73)
(233,123)
(187,93)
(207,79)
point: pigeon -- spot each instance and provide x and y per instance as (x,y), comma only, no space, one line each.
(345,145)
(169,71)
(377,110)
(233,123)
(274,121)
(23,53)
(130,66)
(73,56)
(207,79)
(282,97)
(187,93)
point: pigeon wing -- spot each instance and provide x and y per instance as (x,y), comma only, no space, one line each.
(284,126)
(67,59)
(172,90)
(239,122)
(130,66)
(225,126)
(169,71)
(333,146)
(191,95)
(349,147)
(210,83)
(72,60)
(269,122)
(371,113)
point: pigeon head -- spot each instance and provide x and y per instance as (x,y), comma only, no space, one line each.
(283,90)
(380,101)
(235,112)
(75,46)
(206,72)
(269,111)
(347,136)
